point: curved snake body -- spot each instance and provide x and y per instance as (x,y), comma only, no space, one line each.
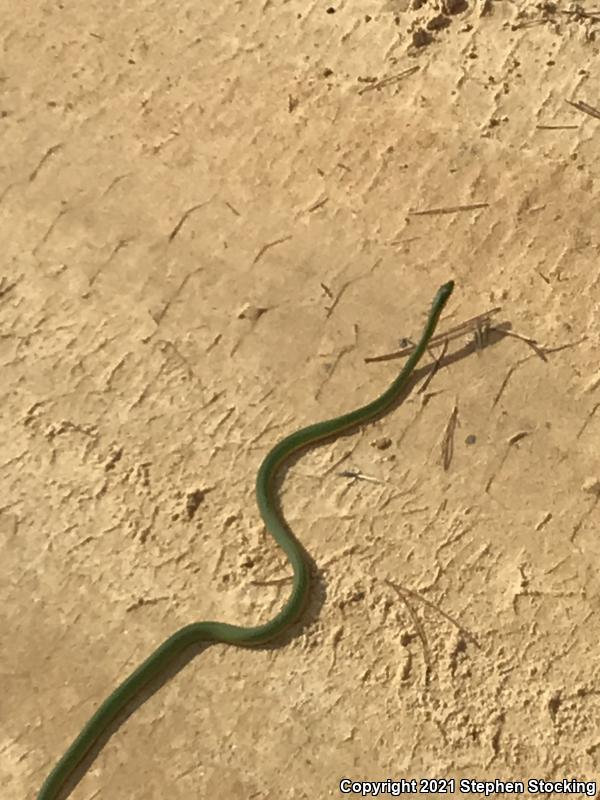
(156,663)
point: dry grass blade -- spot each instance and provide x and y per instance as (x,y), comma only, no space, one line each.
(474,324)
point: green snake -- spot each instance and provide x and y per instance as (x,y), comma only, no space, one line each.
(156,663)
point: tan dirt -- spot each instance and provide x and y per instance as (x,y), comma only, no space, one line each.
(207,223)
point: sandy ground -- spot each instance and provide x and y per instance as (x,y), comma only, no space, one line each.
(207,223)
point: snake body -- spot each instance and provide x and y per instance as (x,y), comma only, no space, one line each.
(156,663)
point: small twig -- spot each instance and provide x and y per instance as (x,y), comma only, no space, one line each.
(327,290)
(507,377)
(184,217)
(516,437)
(539,351)
(448,439)
(478,323)
(317,204)
(579,13)
(273,582)
(585,108)
(542,352)
(467,634)
(544,521)
(340,460)
(419,628)
(358,476)
(566,346)
(588,419)
(389,80)
(556,127)
(578,525)
(267,246)
(448,209)
(436,366)
(531,23)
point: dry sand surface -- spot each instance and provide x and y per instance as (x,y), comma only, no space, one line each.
(210,216)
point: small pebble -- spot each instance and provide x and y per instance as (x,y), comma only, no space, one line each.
(382,443)
(251,312)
